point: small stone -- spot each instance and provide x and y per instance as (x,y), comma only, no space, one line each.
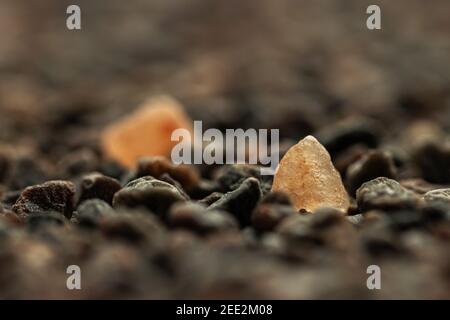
(419,186)
(345,159)
(204,188)
(197,218)
(355,219)
(147,192)
(157,166)
(98,186)
(372,165)
(231,176)
(349,132)
(276,197)
(308,176)
(213,197)
(384,194)
(433,158)
(266,216)
(324,218)
(133,227)
(146,132)
(55,196)
(441,195)
(167,178)
(298,227)
(240,202)
(92,210)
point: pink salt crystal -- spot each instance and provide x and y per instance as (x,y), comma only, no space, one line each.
(308,176)
(145,132)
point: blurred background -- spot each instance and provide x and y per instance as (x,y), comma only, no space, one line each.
(296,65)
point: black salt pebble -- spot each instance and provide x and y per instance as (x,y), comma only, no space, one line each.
(298,228)
(276,197)
(433,159)
(147,192)
(240,202)
(204,188)
(230,177)
(324,218)
(92,210)
(384,194)
(167,178)
(198,219)
(356,219)
(348,133)
(186,175)
(98,186)
(372,165)
(134,227)
(213,197)
(55,196)
(438,195)
(267,216)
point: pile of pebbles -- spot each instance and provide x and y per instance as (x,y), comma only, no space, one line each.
(166,231)
(378,102)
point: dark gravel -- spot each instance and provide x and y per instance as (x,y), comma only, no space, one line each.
(160,231)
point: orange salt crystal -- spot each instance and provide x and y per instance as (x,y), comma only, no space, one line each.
(308,176)
(145,132)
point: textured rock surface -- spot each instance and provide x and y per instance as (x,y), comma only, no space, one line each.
(157,166)
(384,194)
(55,196)
(146,132)
(438,195)
(241,201)
(372,165)
(308,176)
(98,186)
(150,193)
(198,219)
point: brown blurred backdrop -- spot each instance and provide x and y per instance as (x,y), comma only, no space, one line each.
(294,64)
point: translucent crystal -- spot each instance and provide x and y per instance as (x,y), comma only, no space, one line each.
(145,132)
(308,176)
